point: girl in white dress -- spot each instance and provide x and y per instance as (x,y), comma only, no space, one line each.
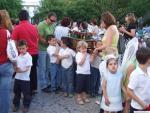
(111,85)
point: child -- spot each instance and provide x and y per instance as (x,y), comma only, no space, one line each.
(22,79)
(52,51)
(139,82)
(66,55)
(111,85)
(95,74)
(83,72)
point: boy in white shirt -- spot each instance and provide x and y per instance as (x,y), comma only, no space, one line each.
(52,51)
(66,55)
(22,79)
(139,82)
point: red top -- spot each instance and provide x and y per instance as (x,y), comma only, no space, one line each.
(28,32)
(3,46)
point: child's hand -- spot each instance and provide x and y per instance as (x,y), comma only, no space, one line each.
(107,102)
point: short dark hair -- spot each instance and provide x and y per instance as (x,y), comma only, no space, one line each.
(143,55)
(23,15)
(94,21)
(49,37)
(67,41)
(51,14)
(22,43)
(108,19)
(65,21)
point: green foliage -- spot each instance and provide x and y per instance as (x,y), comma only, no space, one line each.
(12,6)
(87,9)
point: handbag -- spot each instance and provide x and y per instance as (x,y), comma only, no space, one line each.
(121,45)
(11,50)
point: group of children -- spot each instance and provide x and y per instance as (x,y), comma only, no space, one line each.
(87,70)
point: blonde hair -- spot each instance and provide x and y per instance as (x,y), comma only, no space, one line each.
(81,43)
(111,50)
(5,20)
(131,17)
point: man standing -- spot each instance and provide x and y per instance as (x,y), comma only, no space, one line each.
(45,28)
(28,32)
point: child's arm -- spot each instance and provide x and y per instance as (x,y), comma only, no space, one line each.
(19,70)
(137,99)
(104,83)
(124,89)
(83,59)
(93,55)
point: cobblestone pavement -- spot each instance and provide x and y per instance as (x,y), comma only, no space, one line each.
(57,103)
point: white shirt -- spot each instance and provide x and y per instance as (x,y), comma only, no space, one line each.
(85,67)
(51,50)
(61,31)
(95,30)
(67,62)
(24,61)
(139,82)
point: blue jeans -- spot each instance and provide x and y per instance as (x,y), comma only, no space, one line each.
(95,80)
(59,76)
(53,72)
(43,69)
(67,79)
(6,72)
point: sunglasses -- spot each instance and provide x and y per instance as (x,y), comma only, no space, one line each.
(52,20)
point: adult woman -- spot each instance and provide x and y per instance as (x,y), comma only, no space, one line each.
(111,35)
(6,69)
(130,31)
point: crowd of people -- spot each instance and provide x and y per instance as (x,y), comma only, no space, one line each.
(46,57)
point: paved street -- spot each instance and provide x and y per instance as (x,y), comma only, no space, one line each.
(57,103)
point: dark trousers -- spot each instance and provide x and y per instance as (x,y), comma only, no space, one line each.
(21,86)
(133,109)
(102,111)
(82,83)
(33,73)
(94,80)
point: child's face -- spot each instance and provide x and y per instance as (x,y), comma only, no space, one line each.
(62,44)
(99,44)
(52,42)
(83,49)
(22,49)
(112,66)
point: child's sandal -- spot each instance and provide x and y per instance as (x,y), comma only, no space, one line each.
(80,101)
(86,100)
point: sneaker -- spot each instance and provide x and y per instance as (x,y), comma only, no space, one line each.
(65,94)
(46,90)
(25,110)
(70,95)
(15,108)
(86,100)
(80,101)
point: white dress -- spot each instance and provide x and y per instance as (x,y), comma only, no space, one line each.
(113,89)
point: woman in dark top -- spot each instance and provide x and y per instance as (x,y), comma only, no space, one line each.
(130,31)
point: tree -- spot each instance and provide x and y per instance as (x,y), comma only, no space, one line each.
(12,6)
(87,9)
